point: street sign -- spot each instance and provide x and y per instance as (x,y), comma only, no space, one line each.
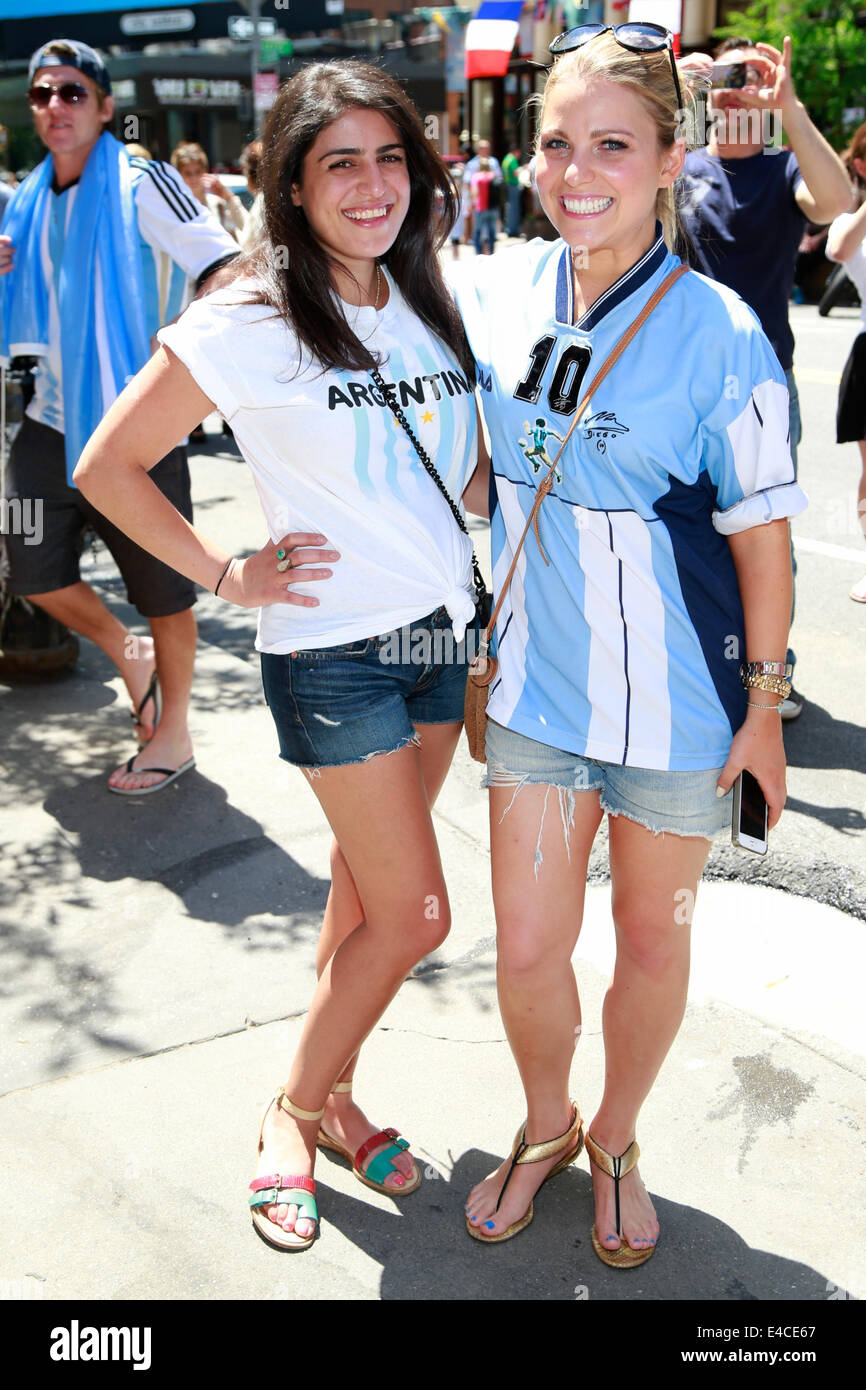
(157,22)
(272,50)
(267,84)
(241,27)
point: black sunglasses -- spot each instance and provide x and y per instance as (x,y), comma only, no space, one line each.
(71,93)
(637,38)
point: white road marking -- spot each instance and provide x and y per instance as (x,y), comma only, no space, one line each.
(835,552)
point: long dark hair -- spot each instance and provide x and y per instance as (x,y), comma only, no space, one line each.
(302,291)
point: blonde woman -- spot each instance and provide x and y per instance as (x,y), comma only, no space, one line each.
(661,564)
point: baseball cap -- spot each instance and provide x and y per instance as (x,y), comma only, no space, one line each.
(82,57)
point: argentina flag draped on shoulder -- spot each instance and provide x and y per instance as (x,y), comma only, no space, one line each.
(100,288)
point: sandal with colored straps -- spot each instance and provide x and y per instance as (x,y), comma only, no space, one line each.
(273,1188)
(382,1166)
(616,1167)
(569,1144)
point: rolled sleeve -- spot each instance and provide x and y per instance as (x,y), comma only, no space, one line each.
(760,508)
(747,447)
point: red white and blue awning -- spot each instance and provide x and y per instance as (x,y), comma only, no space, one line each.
(490,37)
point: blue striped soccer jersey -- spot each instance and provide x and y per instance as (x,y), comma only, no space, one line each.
(626,646)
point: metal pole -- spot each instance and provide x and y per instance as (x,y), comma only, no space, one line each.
(255,7)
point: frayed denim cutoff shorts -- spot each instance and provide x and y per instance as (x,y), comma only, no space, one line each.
(345,704)
(672,803)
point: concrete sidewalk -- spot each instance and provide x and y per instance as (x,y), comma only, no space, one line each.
(158,960)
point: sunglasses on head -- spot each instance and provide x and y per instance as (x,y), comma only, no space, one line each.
(637,38)
(70,93)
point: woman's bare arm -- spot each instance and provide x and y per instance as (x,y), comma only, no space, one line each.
(762,559)
(156,410)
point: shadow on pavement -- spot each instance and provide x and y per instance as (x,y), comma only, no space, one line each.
(426,1254)
(818,740)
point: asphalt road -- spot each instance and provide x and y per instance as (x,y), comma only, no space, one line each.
(818,847)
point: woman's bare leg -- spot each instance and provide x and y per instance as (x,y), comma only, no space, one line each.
(343,1119)
(654,879)
(379,812)
(539,909)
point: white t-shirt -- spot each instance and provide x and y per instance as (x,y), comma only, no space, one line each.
(328,457)
(855,266)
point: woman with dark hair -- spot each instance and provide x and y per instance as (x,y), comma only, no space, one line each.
(846,243)
(345,292)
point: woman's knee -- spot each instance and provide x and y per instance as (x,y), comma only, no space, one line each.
(426,929)
(524,949)
(654,943)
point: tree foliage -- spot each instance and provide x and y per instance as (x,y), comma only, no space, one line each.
(828,53)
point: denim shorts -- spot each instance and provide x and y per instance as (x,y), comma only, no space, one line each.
(345,704)
(670,803)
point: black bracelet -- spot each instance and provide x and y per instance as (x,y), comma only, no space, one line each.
(223,575)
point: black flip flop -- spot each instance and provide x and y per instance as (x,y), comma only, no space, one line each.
(170,774)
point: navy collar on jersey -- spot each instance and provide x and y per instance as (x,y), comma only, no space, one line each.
(651,261)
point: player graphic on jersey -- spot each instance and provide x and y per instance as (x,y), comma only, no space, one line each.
(537,454)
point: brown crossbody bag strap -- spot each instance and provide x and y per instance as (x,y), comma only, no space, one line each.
(483,668)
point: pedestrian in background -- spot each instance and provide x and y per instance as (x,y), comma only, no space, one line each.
(484,186)
(745,204)
(191,162)
(459,228)
(846,243)
(513,191)
(254,226)
(79,257)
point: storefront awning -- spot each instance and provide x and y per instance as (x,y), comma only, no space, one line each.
(490,37)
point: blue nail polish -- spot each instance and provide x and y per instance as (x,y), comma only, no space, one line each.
(488,1225)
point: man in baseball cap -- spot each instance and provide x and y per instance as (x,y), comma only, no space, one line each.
(104,221)
(70,53)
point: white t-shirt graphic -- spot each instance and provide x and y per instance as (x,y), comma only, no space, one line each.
(328,456)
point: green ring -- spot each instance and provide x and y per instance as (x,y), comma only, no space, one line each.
(281,554)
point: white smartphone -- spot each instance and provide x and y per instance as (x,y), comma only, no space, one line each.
(749,818)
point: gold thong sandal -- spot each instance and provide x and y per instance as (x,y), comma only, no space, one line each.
(569,1144)
(624,1257)
(275,1188)
(382,1166)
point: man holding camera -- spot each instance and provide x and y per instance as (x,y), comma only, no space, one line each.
(746,200)
(80,249)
